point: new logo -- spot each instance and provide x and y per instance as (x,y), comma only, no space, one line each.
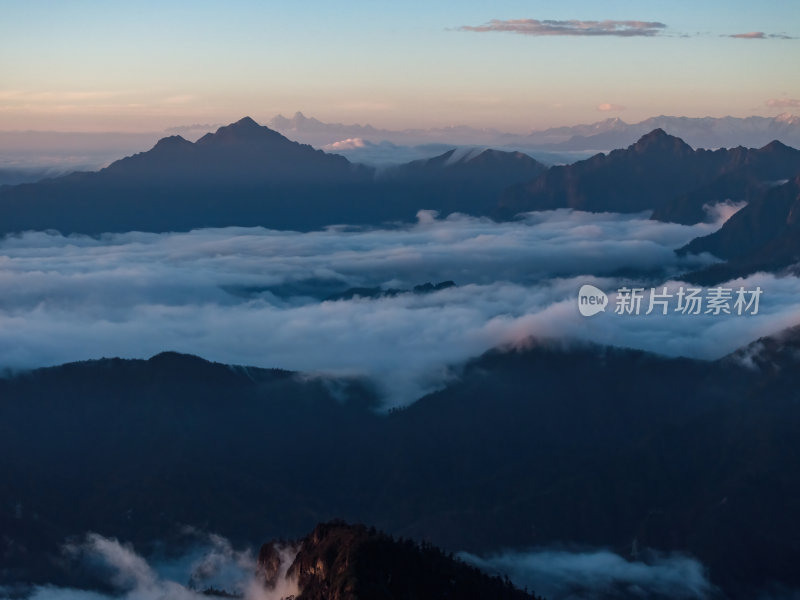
(591,300)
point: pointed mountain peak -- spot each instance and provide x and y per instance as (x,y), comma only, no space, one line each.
(172,141)
(656,134)
(242,126)
(776,146)
(245,123)
(243,130)
(659,140)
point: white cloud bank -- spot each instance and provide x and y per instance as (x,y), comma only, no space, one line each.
(254,296)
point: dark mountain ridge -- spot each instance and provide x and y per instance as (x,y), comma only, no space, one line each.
(249,175)
(243,174)
(243,152)
(529,447)
(659,173)
(703,132)
(750,175)
(763,236)
(474,166)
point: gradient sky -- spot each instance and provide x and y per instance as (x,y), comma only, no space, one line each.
(90,65)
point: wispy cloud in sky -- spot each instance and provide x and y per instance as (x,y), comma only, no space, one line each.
(200,69)
(609,107)
(783,103)
(760,35)
(572,27)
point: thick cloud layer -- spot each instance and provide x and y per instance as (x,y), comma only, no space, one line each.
(257,297)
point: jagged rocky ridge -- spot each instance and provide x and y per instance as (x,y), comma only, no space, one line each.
(337,561)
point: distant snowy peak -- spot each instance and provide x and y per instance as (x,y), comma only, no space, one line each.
(698,132)
(788,119)
(298,121)
(348,144)
(464,155)
(301,124)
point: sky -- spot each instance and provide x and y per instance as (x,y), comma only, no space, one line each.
(516,65)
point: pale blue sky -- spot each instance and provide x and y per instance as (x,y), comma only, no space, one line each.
(92,65)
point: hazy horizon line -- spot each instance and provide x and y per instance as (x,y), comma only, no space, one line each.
(265,122)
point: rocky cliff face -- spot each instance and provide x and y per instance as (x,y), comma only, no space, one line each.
(338,561)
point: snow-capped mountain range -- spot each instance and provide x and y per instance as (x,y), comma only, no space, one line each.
(704,132)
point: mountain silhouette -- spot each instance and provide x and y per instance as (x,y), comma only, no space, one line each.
(241,153)
(467,181)
(243,174)
(763,236)
(246,174)
(703,132)
(749,175)
(659,173)
(548,444)
(337,561)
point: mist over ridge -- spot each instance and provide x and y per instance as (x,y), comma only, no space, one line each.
(261,297)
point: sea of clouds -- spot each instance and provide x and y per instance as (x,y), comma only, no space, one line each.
(260,297)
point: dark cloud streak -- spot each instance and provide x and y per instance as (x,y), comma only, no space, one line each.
(572,27)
